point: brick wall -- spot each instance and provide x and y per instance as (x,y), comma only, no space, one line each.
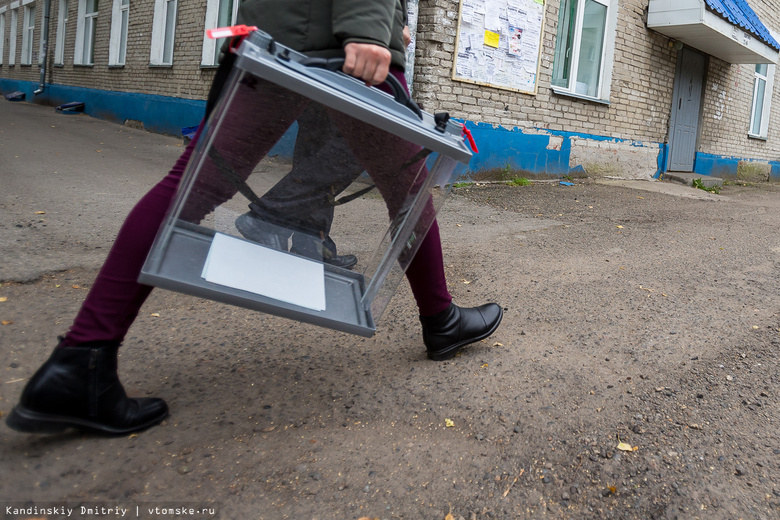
(185,78)
(728,99)
(640,98)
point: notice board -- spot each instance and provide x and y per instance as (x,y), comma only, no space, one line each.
(499,43)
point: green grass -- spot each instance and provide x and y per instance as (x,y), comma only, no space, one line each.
(697,183)
(519,181)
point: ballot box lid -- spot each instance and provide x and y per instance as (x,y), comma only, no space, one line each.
(262,56)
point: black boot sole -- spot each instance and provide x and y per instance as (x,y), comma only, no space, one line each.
(27,421)
(452,351)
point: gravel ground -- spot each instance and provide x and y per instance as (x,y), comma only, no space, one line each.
(635,376)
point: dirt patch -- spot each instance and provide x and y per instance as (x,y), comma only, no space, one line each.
(630,317)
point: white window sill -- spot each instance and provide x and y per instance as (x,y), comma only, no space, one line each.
(562,92)
(757,137)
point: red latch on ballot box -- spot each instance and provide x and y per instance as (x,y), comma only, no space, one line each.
(237,32)
(467,133)
(226,32)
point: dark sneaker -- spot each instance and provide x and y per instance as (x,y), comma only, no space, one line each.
(261,232)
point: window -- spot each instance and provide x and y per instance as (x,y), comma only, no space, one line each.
(2,33)
(163,31)
(117,47)
(584,48)
(12,33)
(763,85)
(86,28)
(28,32)
(62,27)
(219,13)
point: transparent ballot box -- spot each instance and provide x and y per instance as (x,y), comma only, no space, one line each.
(325,236)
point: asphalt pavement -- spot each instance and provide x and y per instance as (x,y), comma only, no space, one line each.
(637,313)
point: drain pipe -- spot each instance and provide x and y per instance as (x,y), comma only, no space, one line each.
(44,45)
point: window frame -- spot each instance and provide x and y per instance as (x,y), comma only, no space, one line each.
(120,23)
(211,47)
(2,34)
(766,105)
(62,28)
(86,33)
(607,52)
(14,8)
(28,31)
(162,26)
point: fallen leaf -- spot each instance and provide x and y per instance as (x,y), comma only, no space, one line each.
(465,281)
(485,365)
(624,446)
(7,322)
(496,344)
(155,315)
(57,285)
(40,212)
(133,435)
(458,225)
(619,227)
(3,298)
(613,489)
(449,423)
(449,517)
(640,197)
(75,287)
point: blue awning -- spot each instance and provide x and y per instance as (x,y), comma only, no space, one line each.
(727,29)
(739,13)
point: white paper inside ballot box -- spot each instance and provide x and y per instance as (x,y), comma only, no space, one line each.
(257,269)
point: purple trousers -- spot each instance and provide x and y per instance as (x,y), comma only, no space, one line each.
(116,296)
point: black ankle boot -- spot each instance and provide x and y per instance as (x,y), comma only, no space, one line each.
(78,387)
(446,332)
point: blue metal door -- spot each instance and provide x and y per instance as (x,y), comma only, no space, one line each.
(684,124)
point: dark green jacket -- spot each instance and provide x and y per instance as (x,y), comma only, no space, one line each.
(323,27)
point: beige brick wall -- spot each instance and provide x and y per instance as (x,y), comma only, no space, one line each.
(185,78)
(728,99)
(640,99)
(641,89)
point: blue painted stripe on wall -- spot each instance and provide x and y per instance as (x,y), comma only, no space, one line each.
(726,166)
(498,147)
(501,147)
(160,114)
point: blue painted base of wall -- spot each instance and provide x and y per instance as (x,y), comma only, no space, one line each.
(726,167)
(499,148)
(160,114)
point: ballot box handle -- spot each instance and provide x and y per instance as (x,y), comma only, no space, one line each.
(399,92)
